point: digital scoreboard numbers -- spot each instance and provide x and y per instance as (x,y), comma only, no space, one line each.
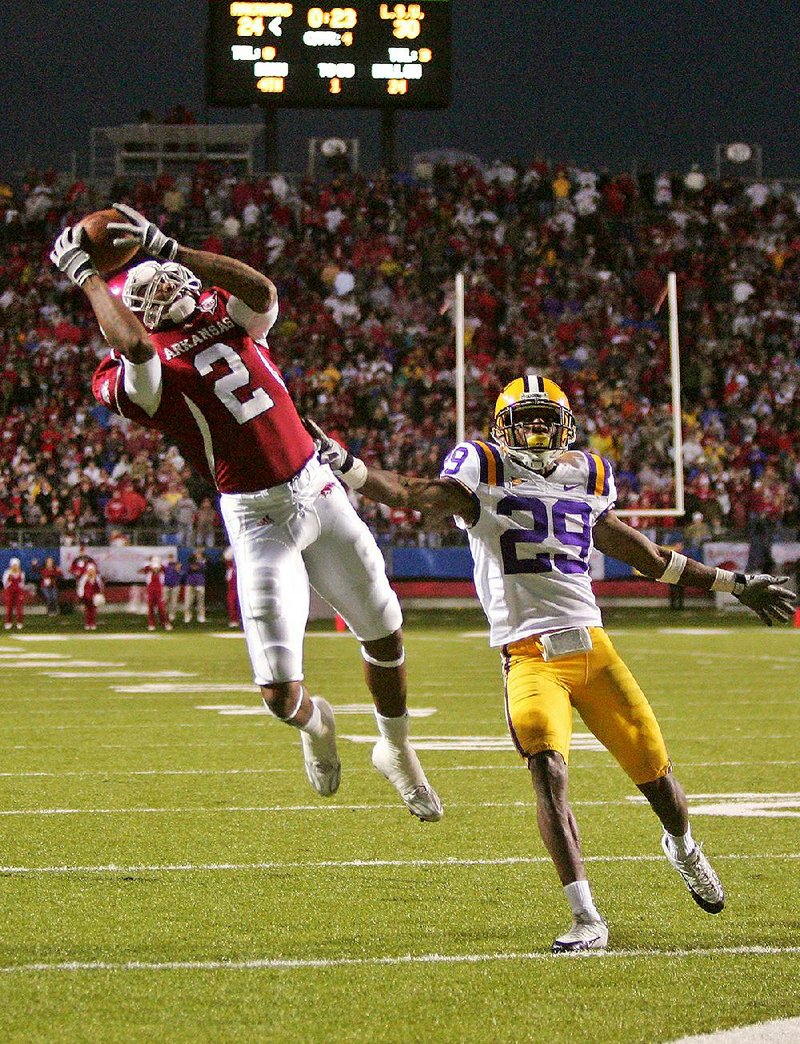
(364,55)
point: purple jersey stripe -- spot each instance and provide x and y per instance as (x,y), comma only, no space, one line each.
(483,461)
(592,473)
(498,459)
(506,669)
(606,474)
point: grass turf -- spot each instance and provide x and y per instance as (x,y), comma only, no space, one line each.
(150,832)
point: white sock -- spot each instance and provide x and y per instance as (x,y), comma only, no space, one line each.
(395,730)
(314,724)
(684,845)
(579,897)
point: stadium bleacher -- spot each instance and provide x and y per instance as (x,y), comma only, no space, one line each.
(563,270)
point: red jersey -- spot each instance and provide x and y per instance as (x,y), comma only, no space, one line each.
(223,401)
(88,587)
(14,582)
(50,576)
(155,579)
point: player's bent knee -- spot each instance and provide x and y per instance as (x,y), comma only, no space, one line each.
(385,652)
(283,699)
(549,772)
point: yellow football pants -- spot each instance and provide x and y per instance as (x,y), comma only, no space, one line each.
(540,696)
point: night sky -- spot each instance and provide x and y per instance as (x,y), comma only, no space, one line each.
(599,82)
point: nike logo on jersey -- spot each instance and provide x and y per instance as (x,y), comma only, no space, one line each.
(575,485)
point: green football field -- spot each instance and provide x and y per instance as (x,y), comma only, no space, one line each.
(168,874)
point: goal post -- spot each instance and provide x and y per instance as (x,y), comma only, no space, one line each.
(461,398)
(677,414)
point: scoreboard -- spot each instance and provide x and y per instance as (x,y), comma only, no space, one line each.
(314,54)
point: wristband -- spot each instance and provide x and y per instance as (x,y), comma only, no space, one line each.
(675,567)
(728,582)
(354,472)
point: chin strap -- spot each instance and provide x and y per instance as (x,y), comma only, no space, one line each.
(182,308)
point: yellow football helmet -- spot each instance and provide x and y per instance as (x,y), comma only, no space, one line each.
(533,423)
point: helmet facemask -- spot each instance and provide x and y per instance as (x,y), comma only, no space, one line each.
(161,292)
(535,431)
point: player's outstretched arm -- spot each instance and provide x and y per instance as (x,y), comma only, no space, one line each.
(436,499)
(121,328)
(762,593)
(251,287)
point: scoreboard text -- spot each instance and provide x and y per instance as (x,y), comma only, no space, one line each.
(366,54)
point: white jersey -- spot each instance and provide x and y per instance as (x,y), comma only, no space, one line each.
(532,541)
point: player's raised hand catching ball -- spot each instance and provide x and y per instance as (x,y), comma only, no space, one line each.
(137,229)
(70,256)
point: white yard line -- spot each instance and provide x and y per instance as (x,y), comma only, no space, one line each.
(360,864)
(776,1031)
(119,636)
(115,772)
(156,688)
(694,632)
(367,709)
(106,726)
(299,963)
(48,664)
(283,809)
(19,655)
(117,674)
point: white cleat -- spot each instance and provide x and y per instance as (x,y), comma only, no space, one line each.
(699,876)
(323,768)
(583,935)
(400,765)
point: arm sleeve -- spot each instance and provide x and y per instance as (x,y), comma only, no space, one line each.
(143,383)
(462,465)
(257,324)
(109,388)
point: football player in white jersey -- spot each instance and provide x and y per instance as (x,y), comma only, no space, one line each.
(533,509)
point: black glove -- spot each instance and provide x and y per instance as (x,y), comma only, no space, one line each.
(765,596)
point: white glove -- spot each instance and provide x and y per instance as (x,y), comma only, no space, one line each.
(765,596)
(340,460)
(139,230)
(71,258)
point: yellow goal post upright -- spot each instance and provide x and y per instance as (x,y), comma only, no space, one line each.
(675,386)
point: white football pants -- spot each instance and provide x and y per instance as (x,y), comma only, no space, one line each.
(303,532)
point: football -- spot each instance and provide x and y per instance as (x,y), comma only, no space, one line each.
(100,242)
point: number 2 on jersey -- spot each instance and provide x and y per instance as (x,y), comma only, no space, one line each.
(243,410)
(544,562)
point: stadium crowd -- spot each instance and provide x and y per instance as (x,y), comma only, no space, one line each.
(564,268)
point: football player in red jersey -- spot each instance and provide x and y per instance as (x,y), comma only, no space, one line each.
(189,357)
